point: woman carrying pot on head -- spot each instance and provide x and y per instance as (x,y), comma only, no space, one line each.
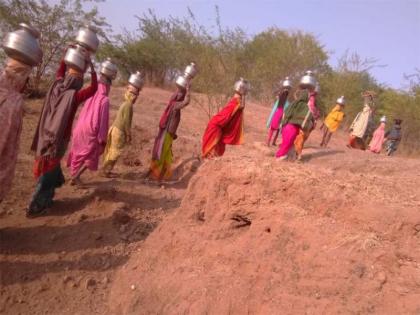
(55,124)
(120,132)
(300,115)
(333,121)
(162,157)
(226,127)
(309,125)
(361,125)
(276,116)
(91,130)
(378,138)
(13,80)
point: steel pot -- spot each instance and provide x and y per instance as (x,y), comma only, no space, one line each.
(23,45)
(182,81)
(109,69)
(308,81)
(136,80)
(341,100)
(242,86)
(190,71)
(287,84)
(88,38)
(76,57)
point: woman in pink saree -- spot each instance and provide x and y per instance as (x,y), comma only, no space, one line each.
(90,133)
(378,139)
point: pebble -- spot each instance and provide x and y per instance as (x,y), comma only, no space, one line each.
(83,217)
(90,283)
(133,287)
(67,279)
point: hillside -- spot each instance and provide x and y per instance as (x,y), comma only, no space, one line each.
(339,233)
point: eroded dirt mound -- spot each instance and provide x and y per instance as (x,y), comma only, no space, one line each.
(253,235)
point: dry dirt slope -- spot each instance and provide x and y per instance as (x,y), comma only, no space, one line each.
(338,234)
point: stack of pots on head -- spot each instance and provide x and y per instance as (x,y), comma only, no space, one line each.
(183,81)
(22,45)
(308,81)
(109,69)
(135,82)
(242,86)
(87,42)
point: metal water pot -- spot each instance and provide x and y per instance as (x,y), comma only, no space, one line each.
(23,45)
(190,71)
(109,69)
(287,84)
(341,100)
(308,81)
(136,80)
(88,38)
(242,86)
(182,81)
(76,57)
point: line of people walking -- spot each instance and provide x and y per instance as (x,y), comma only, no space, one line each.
(92,136)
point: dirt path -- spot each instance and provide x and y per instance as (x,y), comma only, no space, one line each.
(317,229)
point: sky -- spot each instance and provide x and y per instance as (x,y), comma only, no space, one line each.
(387,30)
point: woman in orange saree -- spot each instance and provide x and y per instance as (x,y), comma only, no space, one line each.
(226,127)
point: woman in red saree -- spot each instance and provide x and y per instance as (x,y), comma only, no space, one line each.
(226,127)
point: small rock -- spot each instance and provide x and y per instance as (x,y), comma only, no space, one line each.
(90,283)
(268,229)
(98,237)
(67,279)
(83,217)
(106,280)
(162,187)
(133,287)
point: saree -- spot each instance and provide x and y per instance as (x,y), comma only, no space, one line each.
(162,156)
(90,133)
(12,80)
(161,167)
(334,119)
(226,127)
(378,139)
(114,145)
(51,140)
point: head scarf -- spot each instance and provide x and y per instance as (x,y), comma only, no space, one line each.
(15,74)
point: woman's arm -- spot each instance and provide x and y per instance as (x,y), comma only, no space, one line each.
(89,91)
(61,70)
(184,103)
